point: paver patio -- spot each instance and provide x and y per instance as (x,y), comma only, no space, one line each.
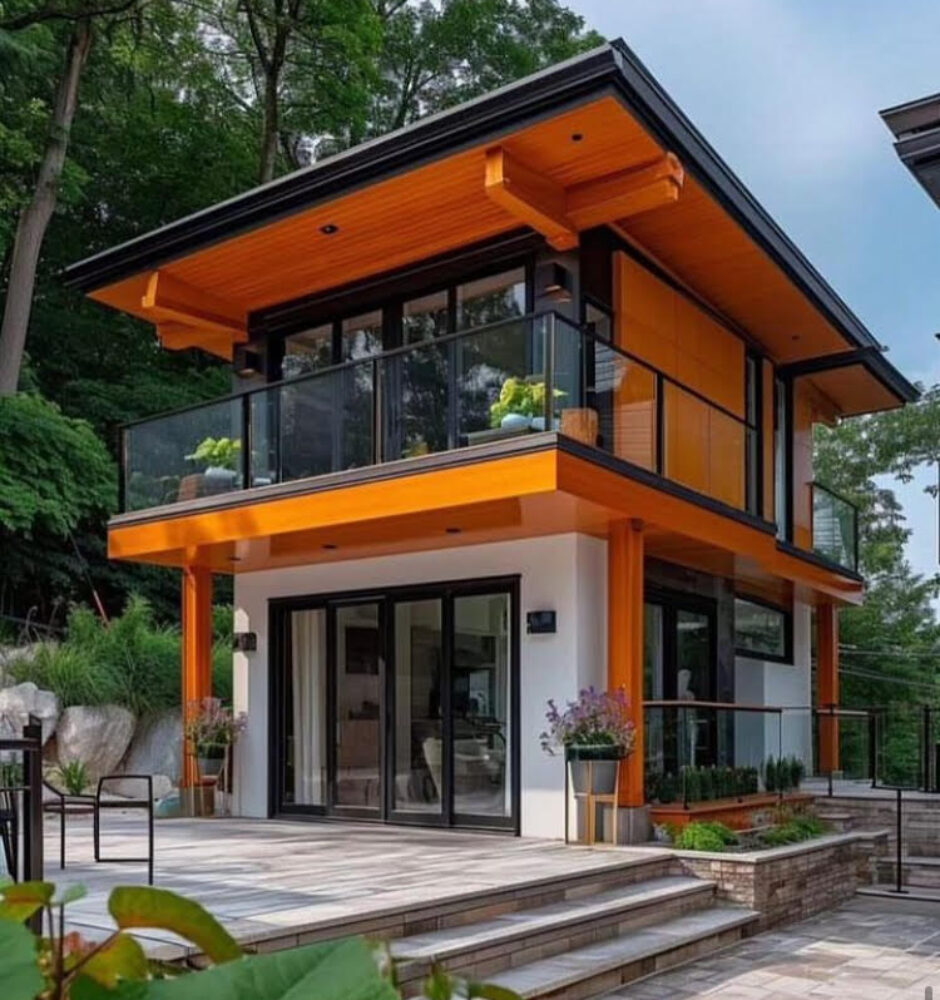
(867,949)
(263,878)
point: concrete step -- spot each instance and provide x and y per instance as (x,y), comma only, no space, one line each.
(481,949)
(841,821)
(916,871)
(601,968)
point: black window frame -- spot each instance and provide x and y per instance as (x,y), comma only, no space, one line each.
(787,618)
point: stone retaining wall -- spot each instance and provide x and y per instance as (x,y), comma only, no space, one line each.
(794,882)
(920,819)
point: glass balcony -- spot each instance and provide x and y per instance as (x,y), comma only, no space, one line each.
(477,387)
(835,527)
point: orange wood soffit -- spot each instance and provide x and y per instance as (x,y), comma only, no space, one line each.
(513,477)
(186,317)
(558,213)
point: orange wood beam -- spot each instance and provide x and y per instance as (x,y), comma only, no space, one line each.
(536,200)
(827,684)
(177,337)
(196,653)
(559,213)
(625,193)
(625,641)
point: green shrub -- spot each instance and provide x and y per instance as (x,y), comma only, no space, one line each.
(698,836)
(793,831)
(132,661)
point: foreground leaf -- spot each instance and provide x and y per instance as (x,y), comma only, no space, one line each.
(20,978)
(22,899)
(121,958)
(144,906)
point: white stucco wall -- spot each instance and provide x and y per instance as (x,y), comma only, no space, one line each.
(759,682)
(564,573)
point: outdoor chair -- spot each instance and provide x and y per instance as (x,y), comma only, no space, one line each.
(9,827)
(144,804)
(63,804)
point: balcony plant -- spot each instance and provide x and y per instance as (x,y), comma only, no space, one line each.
(211,729)
(219,459)
(521,404)
(596,733)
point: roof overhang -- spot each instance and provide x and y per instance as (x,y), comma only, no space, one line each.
(591,141)
(916,128)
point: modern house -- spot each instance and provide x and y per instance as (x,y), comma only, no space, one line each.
(916,129)
(523,400)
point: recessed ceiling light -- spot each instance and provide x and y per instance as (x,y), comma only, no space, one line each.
(577,136)
(452,531)
(329,229)
(329,546)
(234,558)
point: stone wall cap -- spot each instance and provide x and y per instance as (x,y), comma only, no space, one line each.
(768,854)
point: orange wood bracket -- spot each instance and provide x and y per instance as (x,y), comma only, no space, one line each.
(625,641)
(196,653)
(186,317)
(559,213)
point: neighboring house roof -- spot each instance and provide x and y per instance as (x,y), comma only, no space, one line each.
(916,127)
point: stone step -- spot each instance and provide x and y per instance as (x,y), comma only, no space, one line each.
(601,968)
(922,872)
(481,949)
(840,821)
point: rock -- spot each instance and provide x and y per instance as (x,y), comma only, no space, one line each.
(157,746)
(17,703)
(131,788)
(97,735)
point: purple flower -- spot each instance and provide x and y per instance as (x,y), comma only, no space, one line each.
(595,718)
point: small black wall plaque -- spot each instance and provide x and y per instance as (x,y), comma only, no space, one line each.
(540,622)
(245,642)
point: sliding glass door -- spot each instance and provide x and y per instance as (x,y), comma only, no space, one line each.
(399,706)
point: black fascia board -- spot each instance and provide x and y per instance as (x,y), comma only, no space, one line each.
(870,358)
(611,68)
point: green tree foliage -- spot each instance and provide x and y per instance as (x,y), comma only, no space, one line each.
(133,661)
(170,119)
(891,644)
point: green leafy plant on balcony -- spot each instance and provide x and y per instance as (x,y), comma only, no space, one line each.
(67,967)
(217,453)
(522,398)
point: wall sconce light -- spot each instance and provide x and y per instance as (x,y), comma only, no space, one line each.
(246,364)
(556,283)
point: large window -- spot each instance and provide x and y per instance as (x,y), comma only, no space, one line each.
(752,414)
(489,298)
(762,631)
(781,465)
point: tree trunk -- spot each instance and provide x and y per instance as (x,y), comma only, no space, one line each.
(34,219)
(269,126)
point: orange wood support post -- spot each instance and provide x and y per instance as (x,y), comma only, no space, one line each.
(625,641)
(197,650)
(827,684)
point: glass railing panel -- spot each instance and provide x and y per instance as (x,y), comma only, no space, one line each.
(702,752)
(703,447)
(571,414)
(416,390)
(835,535)
(624,394)
(900,750)
(325,423)
(499,388)
(184,456)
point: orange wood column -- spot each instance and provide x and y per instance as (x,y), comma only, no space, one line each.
(625,641)
(197,650)
(827,684)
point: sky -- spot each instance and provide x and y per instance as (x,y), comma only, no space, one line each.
(788,92)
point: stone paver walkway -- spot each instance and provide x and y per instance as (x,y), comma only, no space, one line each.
(868,949)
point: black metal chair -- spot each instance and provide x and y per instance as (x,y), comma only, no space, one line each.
(9,824)
(102,804)
(64,804)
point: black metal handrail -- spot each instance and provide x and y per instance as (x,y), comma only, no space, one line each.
(547,323)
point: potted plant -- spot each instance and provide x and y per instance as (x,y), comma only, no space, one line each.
(593,729)
(521,404)
(211,729)
(219,457)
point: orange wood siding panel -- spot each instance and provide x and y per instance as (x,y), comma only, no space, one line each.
(767,416)
(634,416)
(664,328)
